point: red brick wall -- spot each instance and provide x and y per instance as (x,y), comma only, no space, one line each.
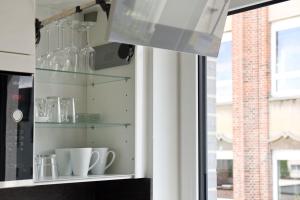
(251,78)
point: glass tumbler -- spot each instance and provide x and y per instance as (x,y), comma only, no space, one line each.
(46,167)
(54,109)
(67,106)
(41,114)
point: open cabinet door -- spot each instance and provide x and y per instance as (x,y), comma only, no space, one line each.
(193,26)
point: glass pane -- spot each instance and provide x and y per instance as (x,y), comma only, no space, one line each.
(288,50)
(289,179)
(224,62)
(254,125)
(224,91)
(288,84)
(225,179)
(224,72)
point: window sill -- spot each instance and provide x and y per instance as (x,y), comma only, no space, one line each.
(283,98)
(225,103)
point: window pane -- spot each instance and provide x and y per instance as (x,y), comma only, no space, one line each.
(224,91)
(288,50)
(289,179)
(224,62)
(225,179)
(224,72)
(288,84)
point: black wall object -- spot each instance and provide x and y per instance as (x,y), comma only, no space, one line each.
(133,189)
(113,55)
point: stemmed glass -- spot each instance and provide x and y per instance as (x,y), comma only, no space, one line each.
(91,53)
(59,56)
(46,60)
(64,58)
(54,64)
(87,53)
(39,59)
(71,51)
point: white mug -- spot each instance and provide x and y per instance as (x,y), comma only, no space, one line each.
(101,166)
(63,158)
(80,160)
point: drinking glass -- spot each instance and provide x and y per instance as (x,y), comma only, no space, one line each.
(82,51)
(64,57)
(91,53)
(87,53)
(46,167)
(67,110)
(58,59)
(53,109)
(41,110)
(39,57)
(39,61)
(46,60)
(71,50)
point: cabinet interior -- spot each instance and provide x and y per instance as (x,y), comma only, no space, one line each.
(109,92)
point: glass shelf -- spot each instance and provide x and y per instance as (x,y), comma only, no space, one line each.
(75,78)
(79,125)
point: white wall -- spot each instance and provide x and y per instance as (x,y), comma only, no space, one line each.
(165,125)
(172,112)
(188,139)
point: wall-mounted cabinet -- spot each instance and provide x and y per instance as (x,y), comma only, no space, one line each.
(103,115)
(107,94)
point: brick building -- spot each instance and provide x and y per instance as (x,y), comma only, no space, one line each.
(258,105)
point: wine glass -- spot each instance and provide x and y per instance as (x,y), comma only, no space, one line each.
(46,60)
(87,53)
(82,51)
(39,58)
(91,53)
(64,58)
(59,56)
(71,50)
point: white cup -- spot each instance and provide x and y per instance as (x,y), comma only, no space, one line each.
(102,165)
(63,158)
(80,161)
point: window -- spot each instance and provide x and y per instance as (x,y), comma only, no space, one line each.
(251,125)
(286,58)
(286,174)
(224,175)
(224,70)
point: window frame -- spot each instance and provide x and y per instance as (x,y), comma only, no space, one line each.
(202,108)
(275,28)
(276,156)
(227,37)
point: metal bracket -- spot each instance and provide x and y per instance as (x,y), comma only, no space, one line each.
(38,27)
(40,24)
(104,5)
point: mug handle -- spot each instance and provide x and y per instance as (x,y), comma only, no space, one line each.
(112,159)
(97,160)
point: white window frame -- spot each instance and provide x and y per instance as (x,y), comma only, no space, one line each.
(227,36)
(224,155)
(276,27)
(281,155)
